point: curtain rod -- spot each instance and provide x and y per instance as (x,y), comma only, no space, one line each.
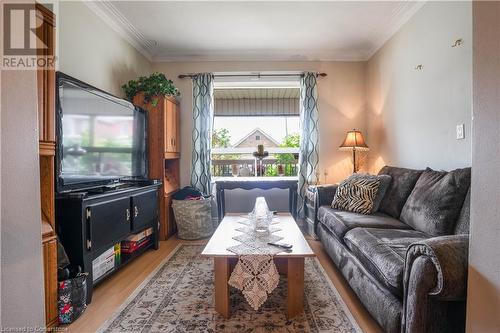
(182,76)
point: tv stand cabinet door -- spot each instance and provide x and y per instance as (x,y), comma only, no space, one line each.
(144,209)
(107,222)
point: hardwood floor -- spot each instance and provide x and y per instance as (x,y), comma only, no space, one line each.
(112,292)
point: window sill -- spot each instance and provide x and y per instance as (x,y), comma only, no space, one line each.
(254,179)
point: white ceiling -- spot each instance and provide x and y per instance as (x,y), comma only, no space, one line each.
(256,30)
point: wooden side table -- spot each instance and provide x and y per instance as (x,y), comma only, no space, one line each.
(312,203)
(311,208)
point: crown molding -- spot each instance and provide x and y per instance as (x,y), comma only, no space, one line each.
(106,11)
(399,17)
(263,55)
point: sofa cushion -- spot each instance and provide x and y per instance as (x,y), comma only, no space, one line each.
(402,183)
(339,222)
(356,195)
(382,252)
(435,203)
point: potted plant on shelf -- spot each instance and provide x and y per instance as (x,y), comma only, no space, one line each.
(157,84)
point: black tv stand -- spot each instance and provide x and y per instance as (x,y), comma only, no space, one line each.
(91,222)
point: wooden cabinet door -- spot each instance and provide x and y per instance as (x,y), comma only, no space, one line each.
(143,211)
(169,125)
(102,224)
(172,127)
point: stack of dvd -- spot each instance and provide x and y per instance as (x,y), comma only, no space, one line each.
(136,242)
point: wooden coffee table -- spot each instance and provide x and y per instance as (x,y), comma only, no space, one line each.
(290,263)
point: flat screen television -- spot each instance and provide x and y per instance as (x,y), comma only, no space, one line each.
(101,139)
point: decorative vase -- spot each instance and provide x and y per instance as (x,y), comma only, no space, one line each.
(234,170)
(262,217)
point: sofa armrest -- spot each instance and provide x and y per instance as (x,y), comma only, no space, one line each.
(326,194)
(449,255)
(435,275)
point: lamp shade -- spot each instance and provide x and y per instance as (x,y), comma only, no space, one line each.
(354,139)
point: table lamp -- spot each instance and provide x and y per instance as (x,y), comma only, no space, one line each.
(354,141)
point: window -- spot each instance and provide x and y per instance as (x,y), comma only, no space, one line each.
(248,117)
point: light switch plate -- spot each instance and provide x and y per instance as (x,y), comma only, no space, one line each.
(460,132)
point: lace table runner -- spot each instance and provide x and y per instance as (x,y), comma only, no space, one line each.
(255,274)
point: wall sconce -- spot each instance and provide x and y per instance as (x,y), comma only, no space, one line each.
(458,42)
(419,67)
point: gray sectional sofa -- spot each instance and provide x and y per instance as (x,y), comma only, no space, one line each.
(407,262)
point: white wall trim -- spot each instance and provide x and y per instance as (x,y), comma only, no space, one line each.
(399,17)
(107,12)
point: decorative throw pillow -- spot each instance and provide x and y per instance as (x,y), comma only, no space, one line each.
(356,195)
(385,181)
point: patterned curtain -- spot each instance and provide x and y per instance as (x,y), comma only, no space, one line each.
(309,139)
(203,116)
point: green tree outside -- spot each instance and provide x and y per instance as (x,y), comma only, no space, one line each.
(222,139)
(290,141)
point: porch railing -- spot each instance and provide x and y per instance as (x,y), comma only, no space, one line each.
(229,162)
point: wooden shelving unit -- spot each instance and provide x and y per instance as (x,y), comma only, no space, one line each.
(164,154)
(46,118)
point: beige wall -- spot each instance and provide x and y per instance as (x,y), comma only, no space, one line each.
(483,303)
(341,104)
(22,303)
(412,114)
(94,53)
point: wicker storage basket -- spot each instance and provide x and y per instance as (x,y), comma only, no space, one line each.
(193,218)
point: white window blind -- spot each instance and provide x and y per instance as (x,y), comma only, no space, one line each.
(257,102)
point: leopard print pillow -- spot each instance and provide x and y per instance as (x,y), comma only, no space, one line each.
(356,195)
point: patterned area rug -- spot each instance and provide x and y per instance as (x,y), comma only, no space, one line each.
(178,297)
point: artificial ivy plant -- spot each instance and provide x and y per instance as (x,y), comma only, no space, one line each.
(153,85)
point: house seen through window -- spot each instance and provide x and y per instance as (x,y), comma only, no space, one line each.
(248,117)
